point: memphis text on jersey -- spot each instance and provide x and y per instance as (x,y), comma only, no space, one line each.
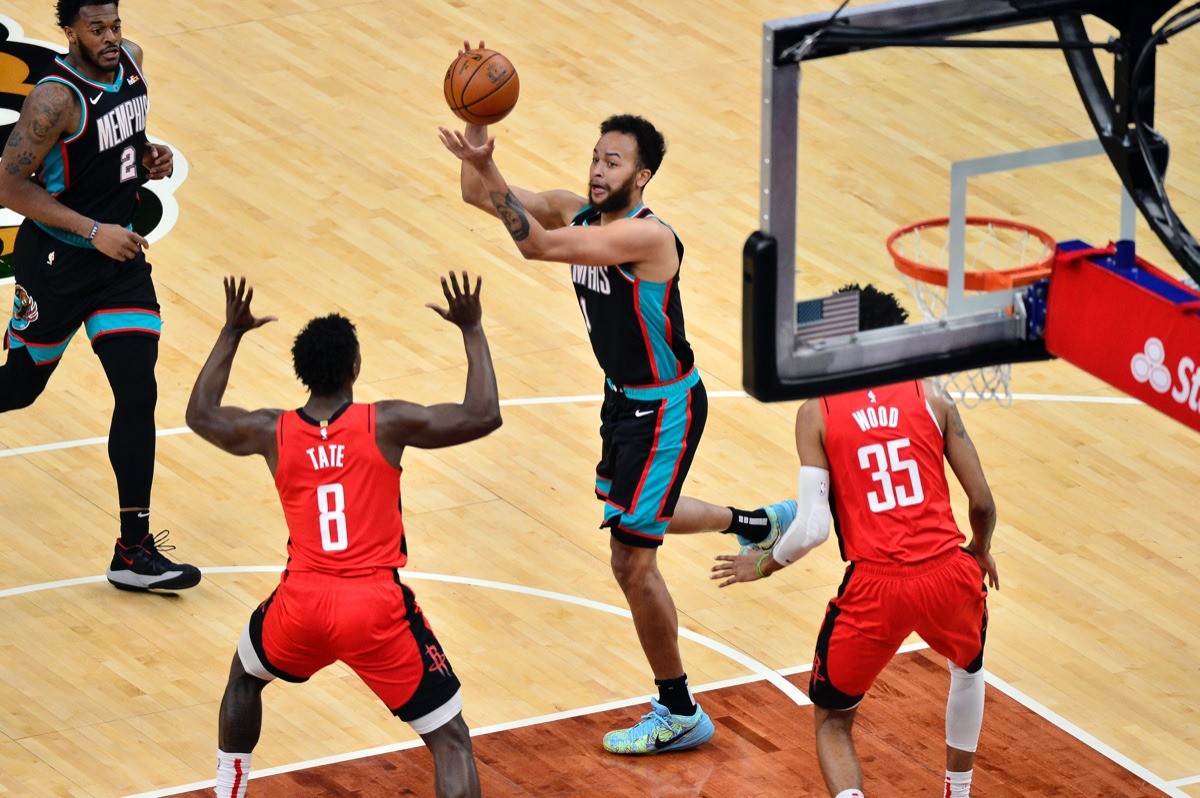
(123,122)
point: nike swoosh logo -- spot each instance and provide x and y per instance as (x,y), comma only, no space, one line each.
(96,99)
(144,515)
(128,560)
(640,413)
(658,744)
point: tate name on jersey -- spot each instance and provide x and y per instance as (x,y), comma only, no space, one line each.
(326,455)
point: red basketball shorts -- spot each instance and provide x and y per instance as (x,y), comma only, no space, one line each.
(944,600)
(371,623)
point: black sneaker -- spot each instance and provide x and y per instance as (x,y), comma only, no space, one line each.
(143,567)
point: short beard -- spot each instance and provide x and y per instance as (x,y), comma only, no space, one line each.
(94,60)
(617,200)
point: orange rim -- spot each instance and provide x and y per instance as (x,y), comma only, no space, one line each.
(994,280)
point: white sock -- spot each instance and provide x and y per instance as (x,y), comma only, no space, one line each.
(958,785)
(233,771)
(850,794)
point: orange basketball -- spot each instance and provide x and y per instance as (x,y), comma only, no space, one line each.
(481,87)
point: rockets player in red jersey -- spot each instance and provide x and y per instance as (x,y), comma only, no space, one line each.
(337,469)
(876,455)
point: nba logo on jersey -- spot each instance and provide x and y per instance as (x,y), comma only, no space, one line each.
(871,396)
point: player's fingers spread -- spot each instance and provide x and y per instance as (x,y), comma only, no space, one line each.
(454,282)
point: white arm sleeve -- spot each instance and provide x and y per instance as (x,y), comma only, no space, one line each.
(811,525)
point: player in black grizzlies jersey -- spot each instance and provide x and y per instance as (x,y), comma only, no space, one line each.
(72,167)
(625,266)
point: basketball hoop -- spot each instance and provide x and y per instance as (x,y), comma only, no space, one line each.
(1000,255)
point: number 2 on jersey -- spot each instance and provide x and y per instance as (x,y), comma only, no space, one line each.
(128,164)
(331,501)
(887,464)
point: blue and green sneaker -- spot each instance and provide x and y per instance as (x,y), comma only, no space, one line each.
(659,732)
(781,515)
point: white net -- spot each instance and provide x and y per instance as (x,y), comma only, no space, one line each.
(989,247)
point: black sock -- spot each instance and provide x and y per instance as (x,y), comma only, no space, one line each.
(753,525)
(675,696)
(135,525)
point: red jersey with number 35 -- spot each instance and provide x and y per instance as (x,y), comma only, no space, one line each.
(891,499)
(340,497)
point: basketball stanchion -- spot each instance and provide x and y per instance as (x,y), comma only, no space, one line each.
(1119,318)
(1001,255)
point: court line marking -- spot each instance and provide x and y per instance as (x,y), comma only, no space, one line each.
(759,672)
(562,400)
(1084,737)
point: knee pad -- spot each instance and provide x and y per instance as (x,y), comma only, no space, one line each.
(964,709)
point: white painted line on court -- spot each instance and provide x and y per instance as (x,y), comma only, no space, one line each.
(480,732)
(1083,737)
(562,400)
(49,447)
(758,668)
(1185,782)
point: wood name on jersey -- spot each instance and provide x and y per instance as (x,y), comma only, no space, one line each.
(872,417)
(123,122)
(326,456)
(594,278)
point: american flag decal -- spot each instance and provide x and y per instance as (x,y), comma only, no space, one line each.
(828,316)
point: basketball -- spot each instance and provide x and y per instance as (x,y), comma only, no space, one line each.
(481,87)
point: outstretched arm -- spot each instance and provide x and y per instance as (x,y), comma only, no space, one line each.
(430,427)
(810,528)
(553,209)
(964,460)
(233,429)
(637,241)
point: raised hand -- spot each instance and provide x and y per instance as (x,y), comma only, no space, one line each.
(477,155)
(464,308)
(467,47)
(238,318)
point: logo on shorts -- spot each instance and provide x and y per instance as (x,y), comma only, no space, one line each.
(22,62)
(817,675)
(25,310)
(437,660)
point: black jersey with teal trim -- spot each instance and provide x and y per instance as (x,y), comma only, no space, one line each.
(95,170)
(636,326)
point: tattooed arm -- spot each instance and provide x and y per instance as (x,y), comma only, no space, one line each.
(960,453)
(648,244)
(51,112)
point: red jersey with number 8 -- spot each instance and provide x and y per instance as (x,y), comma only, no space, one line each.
(891,499)
(340,497)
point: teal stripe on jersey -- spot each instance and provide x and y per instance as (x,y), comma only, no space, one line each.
(54,171)
(39,353)
(105,322)
(668,450)
(651,307)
